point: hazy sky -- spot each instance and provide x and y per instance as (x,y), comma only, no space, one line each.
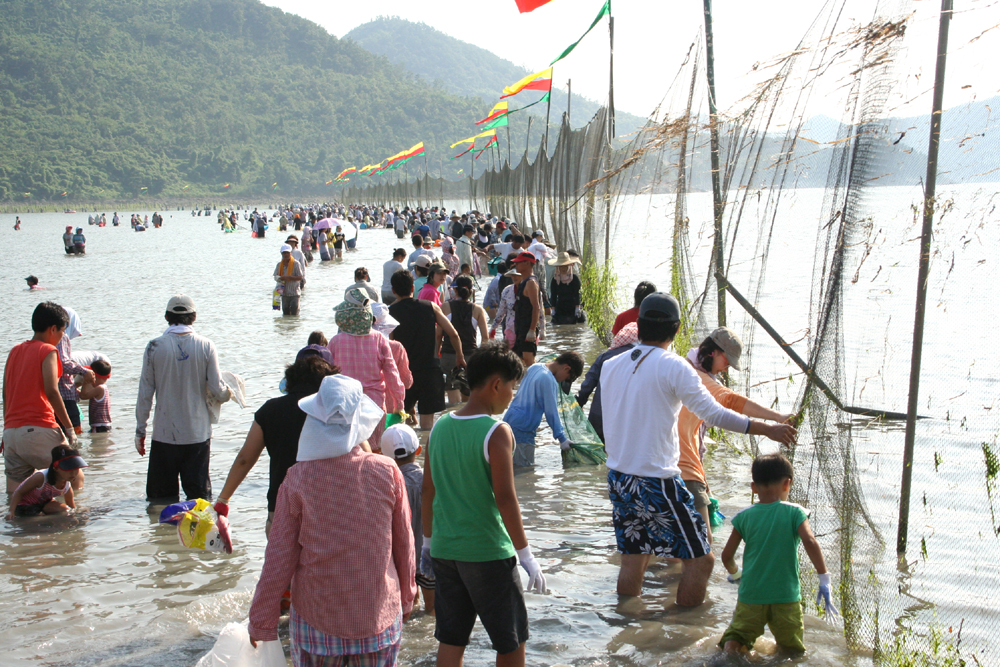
(652,36)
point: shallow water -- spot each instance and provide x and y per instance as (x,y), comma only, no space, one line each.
(108,586)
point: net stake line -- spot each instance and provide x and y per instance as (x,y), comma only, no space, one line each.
(794,356)
(923,272)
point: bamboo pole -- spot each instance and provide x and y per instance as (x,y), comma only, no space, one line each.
(717,203)
(923,272)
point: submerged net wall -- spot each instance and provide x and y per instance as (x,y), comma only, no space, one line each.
(823,165)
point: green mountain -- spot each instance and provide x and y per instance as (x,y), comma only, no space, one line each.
(111,98)
(466,69)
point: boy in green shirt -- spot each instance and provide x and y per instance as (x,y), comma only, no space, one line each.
(472,520)
(769,593)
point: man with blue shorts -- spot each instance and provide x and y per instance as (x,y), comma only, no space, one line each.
(653,512)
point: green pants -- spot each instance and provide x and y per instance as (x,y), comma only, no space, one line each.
(784,620)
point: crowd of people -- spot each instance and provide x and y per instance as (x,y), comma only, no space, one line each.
(360,407)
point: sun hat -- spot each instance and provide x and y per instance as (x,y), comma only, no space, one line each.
(400,441)
(525,257)
(512,273)
(292,239)
(75,328)
(627,334)
(730,343)
(315,351)
(286,248)
(354,313)
(384,322)
(563,259)
(70,463)
(660,307)
(338,418)
(180,304)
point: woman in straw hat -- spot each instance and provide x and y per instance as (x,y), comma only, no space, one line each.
(352,574)
(564,290)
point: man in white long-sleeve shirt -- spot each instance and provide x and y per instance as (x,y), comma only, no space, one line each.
(653,512)
(181,369)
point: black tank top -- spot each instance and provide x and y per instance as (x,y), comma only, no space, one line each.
(461,319)
(522,310)
(416,332)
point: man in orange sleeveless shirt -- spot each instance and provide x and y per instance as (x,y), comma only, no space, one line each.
(34,416)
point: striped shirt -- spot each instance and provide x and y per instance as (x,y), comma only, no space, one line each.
(99,410)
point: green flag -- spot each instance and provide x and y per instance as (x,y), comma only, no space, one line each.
(605,10)
(499,122)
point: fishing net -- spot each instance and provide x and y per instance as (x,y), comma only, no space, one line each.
(823,164)
(587,448)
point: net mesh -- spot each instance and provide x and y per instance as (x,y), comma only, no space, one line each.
(813,167)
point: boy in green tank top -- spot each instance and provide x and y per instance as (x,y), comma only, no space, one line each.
(769,582)
(472,520)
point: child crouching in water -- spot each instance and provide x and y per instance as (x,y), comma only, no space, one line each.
(769,593)
(96,394)
(36,495)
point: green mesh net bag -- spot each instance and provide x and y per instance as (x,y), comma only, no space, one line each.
(587,448)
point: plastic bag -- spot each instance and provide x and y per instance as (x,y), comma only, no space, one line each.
(715,517)
(587,448)
(279,290)
(196,528)
(233,649)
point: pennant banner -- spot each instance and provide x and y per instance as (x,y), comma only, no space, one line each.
(499,122)
(525,6)
(487,133)
(499,109)
(605,11)
(349,170)
(537,81)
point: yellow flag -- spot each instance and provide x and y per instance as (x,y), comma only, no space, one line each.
(487,133)
(519,86)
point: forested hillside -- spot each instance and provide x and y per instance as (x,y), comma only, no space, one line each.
(112,98)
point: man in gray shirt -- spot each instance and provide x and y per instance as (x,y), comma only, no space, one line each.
(181,369)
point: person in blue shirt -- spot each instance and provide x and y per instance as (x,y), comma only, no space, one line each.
(538,396)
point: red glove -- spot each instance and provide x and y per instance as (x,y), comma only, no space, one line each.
(222,509)
(493,334)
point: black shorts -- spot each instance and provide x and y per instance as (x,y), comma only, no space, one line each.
(427,391)
(522,346)
(167,462)
(29,510)
(490,590)
(73,409)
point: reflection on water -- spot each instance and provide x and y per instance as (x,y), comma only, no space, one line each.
(107,585)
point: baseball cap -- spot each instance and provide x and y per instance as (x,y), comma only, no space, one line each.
(525,257)
(422,261)
(180,304)
(400,441)
(315,351)
(538,233)
(660,307)
(286,248)
(730,343)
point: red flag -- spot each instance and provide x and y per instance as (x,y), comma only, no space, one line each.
(525,6)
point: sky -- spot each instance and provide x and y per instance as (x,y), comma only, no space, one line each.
(652,37)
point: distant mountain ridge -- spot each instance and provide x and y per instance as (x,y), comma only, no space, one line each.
(465,69)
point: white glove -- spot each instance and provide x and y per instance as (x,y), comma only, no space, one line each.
(426,566)
(530,337)
(536,580)
(71,438)
(823,598)
(140,444)
(735,577)
(566,444)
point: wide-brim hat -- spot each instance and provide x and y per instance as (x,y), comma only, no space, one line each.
(384,321)
(563,259)
(339,417)
(354,313)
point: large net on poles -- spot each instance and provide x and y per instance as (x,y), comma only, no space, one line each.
(822,196)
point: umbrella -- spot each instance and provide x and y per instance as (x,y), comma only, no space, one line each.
(325,223)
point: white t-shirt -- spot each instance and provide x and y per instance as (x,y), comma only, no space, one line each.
(539,250)
(505,249)
(388,269)
(641,395)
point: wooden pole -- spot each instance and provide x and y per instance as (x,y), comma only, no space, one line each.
(923,271)
(718,205)
(509,162)
(611,76)
(569,98)
(548,108)
(527,141)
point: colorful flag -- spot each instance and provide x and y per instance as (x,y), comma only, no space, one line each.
(186,187)
(605,11)
(537,81)
(499,109)
(225,186)
(479,151)
(274,186)
(349,170)
(487,133)
(465,152)
(413,151)
(525,6)
(329,182)
(499,122)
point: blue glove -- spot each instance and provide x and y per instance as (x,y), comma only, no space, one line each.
(823,598)
(426,567)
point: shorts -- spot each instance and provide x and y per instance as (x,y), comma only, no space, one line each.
(29,448)
(29,510)
(523,346)
(101,429)
(700,493)
(425,582)
(168,461)
(448,360)
(427,392)
(73,409)
(784,620)
(490,590)
(656,516)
